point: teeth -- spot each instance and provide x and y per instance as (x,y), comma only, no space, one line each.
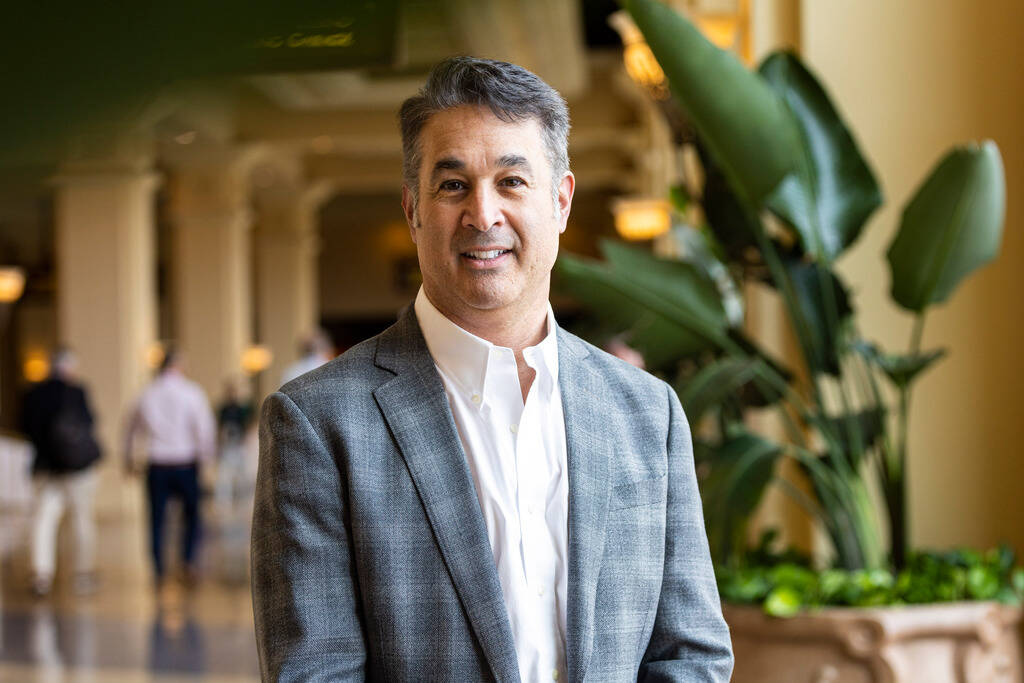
(485,254)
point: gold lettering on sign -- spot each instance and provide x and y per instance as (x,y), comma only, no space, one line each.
(320,40)
(271,42)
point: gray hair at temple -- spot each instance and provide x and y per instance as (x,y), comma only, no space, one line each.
(511,92)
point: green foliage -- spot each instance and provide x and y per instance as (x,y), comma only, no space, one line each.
(833,194)
(744,466)
(786,191)
(739,114)
(786,585)
(952,226)
(900,369)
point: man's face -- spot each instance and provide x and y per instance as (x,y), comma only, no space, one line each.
(485,225)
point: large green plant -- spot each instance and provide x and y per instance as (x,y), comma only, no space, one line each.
(786,191)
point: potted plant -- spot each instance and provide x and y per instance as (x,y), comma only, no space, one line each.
(784,192)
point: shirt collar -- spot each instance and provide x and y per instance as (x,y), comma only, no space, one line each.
(464,357)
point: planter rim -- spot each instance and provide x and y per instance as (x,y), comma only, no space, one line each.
(852,611)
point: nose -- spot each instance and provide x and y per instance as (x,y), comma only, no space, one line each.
(482,209)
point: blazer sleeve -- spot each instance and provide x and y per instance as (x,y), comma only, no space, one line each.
(305,599)
(690,640)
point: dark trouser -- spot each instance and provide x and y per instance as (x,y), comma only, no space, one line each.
(162,482)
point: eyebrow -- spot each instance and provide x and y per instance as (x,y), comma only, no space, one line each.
(505,161)
(514,161)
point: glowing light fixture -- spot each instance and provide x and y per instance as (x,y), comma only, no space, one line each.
(639,218)
(256,358)
(154,355)
(640,63)
(36,367)
(12,284)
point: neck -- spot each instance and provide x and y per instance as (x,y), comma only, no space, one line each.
(514,330)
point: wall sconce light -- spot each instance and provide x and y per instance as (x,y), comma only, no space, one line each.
(36,366)
(256,359)
(641,218)
(728,30)
(640,63)
(154,355)
(12,284)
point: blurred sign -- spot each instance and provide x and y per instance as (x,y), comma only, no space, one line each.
(316,36)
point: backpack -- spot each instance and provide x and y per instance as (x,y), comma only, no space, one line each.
(71,441)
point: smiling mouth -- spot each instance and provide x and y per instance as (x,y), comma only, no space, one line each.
(486,255)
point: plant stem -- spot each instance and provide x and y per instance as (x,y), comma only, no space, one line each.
(916,334)
(896,491)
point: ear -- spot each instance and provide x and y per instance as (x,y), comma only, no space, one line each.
(409,207)
(565,190)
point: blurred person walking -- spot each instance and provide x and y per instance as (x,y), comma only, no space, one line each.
(315,350)
(174,418)
(234,417)
(57,419)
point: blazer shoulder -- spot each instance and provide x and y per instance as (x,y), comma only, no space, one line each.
(355,367)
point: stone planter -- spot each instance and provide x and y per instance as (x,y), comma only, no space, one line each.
(963,642)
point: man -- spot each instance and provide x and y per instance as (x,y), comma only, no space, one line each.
(174,418)
(476,494)
(57,419)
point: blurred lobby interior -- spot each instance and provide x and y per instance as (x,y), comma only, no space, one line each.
(231,215)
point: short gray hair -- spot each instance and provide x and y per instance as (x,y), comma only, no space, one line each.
(511,92)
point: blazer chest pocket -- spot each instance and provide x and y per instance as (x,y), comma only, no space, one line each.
(633,494)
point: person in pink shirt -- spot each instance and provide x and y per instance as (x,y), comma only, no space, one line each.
(173,418)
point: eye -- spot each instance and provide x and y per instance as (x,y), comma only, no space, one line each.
(513,181)
(452,186)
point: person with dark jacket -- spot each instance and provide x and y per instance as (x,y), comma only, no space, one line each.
(58,421)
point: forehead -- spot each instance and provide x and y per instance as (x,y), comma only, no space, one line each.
(475,136)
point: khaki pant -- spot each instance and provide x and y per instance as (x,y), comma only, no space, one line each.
(53,492)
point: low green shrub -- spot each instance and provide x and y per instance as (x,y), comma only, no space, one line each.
(787,583)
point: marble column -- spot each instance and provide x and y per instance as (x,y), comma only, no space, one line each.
(287,274)
(106,286)
(211,272)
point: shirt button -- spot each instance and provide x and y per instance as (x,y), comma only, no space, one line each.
(540,591)
(476,399)
(513,428)
(554,675)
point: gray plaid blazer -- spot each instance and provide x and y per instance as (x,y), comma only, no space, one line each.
(370,557)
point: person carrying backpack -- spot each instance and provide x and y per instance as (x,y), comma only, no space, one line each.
(59,422)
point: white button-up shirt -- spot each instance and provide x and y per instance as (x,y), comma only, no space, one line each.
(517,457)
(175,418)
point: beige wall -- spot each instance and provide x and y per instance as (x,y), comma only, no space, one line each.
(913,78)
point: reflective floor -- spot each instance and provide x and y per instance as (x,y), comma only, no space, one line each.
(129,630)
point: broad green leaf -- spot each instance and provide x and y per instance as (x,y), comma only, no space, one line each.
(727,221)
(748,129)
(858,431)
(717,381)
(900,369)
(677,282)
(741,469)
(825,305)
(833,194)
(660,326)
(953,225)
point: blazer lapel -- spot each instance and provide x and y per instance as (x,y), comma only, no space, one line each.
(590,451)
(416,409)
